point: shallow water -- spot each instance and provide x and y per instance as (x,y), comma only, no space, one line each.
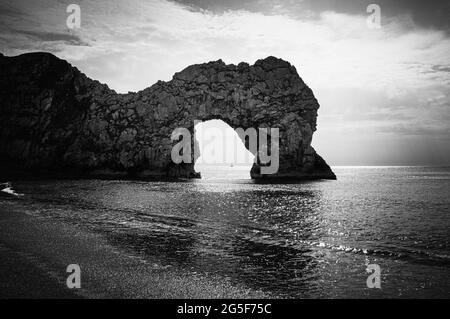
(307,240)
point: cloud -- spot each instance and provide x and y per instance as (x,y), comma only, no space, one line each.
(331,50)
(67,38)
(441,68)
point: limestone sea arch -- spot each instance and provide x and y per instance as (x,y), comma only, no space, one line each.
(53,118)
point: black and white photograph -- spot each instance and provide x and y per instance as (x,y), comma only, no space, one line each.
(223,151)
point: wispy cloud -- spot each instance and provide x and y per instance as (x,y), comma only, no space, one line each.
(67,38)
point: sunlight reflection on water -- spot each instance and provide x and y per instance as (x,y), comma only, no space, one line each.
(311,239)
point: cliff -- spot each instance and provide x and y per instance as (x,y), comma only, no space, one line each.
(54,119)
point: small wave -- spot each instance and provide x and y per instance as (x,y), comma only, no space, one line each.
(415,255)
(7,190)
(410,255)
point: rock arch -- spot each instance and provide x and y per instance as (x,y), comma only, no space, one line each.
(55,118)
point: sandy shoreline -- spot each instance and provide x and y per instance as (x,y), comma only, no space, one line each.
(34,254)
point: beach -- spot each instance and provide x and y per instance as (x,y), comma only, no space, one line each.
(35,253)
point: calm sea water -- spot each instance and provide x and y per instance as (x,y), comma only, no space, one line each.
(313,239)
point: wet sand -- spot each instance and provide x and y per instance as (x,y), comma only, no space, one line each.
(35,252)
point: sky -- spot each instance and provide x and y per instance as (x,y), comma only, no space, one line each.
(384,93)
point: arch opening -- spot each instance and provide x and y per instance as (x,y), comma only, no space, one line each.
(222,154)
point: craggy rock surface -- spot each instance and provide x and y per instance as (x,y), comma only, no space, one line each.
(53,118)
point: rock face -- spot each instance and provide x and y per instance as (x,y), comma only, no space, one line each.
(55,119)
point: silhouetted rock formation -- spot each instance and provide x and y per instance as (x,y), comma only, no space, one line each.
(53,118)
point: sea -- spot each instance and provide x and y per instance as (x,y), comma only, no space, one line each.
(375,232)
